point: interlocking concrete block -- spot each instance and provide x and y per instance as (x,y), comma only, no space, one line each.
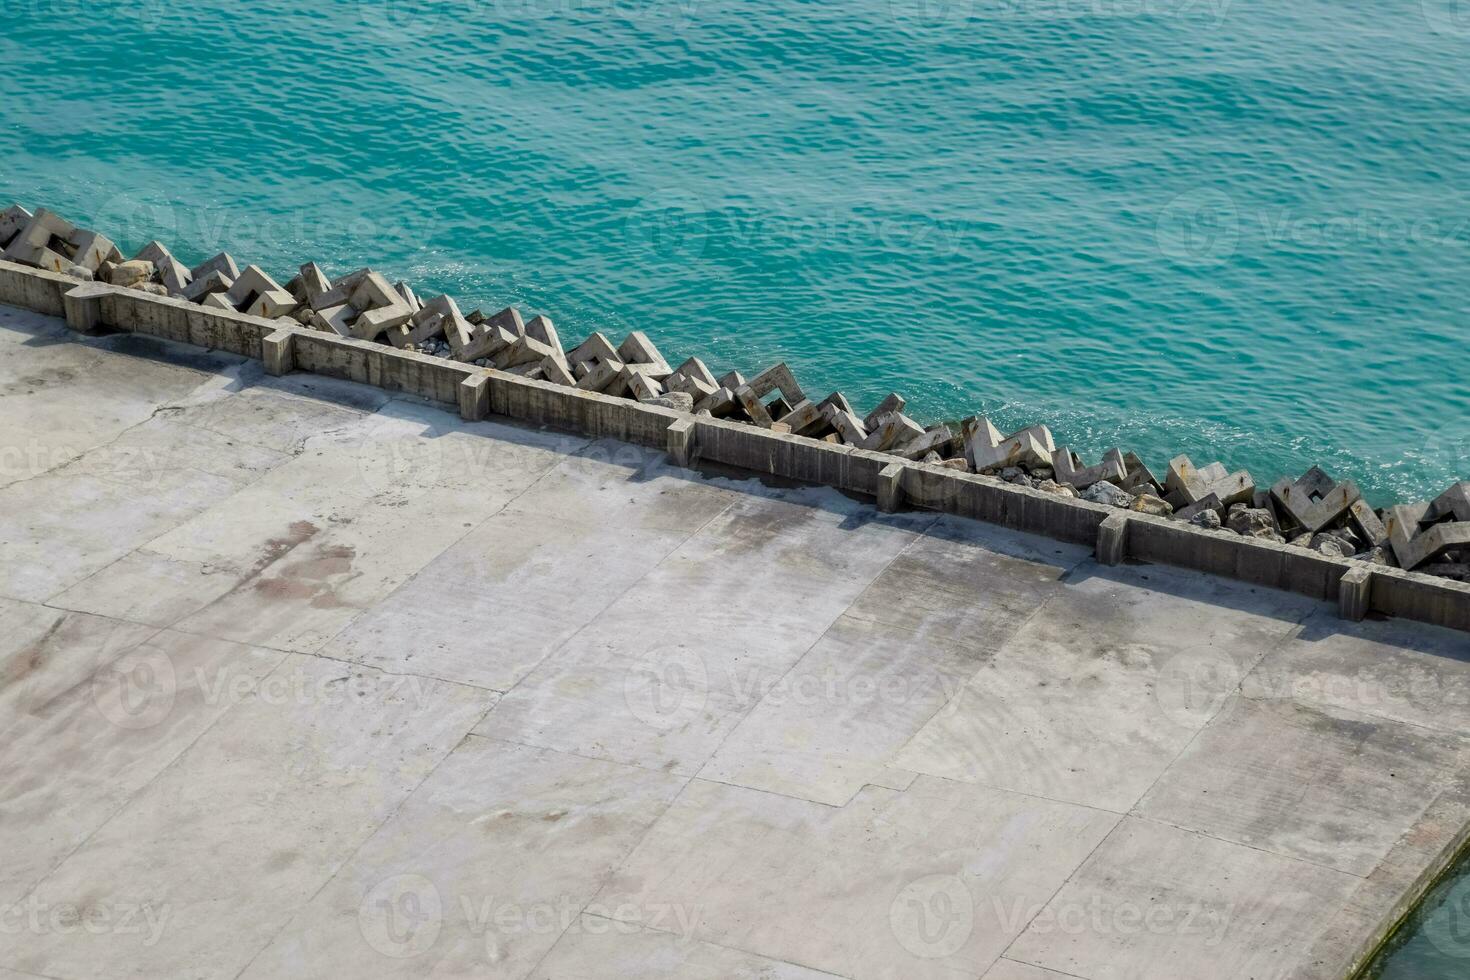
(803,418)
(42,242)
(638,353)
(894,402)
(491,335)
(520,351)
(732,380)
(1315,500)
(334,319)
(1069,469)
(595,364)
(893,431)
(218,301)
(848,425)
(1413,543)
(1362,517)
(540,328)
(214,281)
(930,441)
(48,241)
(256,293)
(987,449)
(1193,484)
(371,324)
(12,221)
(405,291)
(1138,478)
(314,283)
(554,369)
(1210,502)
(1454,503)
(719,404)
(222,263)
(693,378)
(171,273)
(644,388)
(439,317)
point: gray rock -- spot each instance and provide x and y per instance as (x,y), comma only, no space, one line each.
(1252,522)
(78,272)
(1060,489)
(131,273)
(1103,492)
(1330,545)
(1301,540)
(1208,519)
(1043,473)
(679,401)
(1147,503)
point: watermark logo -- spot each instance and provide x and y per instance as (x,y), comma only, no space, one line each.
(400,457)
(401,916)
(668,226)
(667,688)
(1193,685)
(146,920)
(136,690)
(933,916)
(1450,17)
(1447,927)
(1199,227)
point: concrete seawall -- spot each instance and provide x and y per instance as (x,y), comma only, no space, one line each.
(477,392)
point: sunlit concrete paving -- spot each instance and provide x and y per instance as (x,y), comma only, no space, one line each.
(299,679)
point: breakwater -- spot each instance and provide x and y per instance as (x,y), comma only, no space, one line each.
(882,451)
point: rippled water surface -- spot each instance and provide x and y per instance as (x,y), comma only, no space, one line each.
(1237,230)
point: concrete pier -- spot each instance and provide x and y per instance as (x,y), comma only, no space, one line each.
(304,677)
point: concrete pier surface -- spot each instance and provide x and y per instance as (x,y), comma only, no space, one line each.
(300,678)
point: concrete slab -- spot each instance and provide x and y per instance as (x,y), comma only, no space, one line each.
(968,584)
(1104,686)
(1158,903)
(345,523)
(1418,676)
(661,676)
(834,722)
(647,623)
(93,710)
(493,605)
(102,505)
(607,948)
(216,854)
(1005,969)
(914,884)
(480,872)
(1319,784)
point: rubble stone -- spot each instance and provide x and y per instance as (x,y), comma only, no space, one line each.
(1103,492)
(1253,522)
(1147,503)
(1208,518)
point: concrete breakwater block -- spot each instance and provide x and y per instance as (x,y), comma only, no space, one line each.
(1313,512)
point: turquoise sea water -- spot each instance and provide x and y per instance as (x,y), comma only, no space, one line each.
(1237,230)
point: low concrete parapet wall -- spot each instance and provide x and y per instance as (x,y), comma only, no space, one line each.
(478,391)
